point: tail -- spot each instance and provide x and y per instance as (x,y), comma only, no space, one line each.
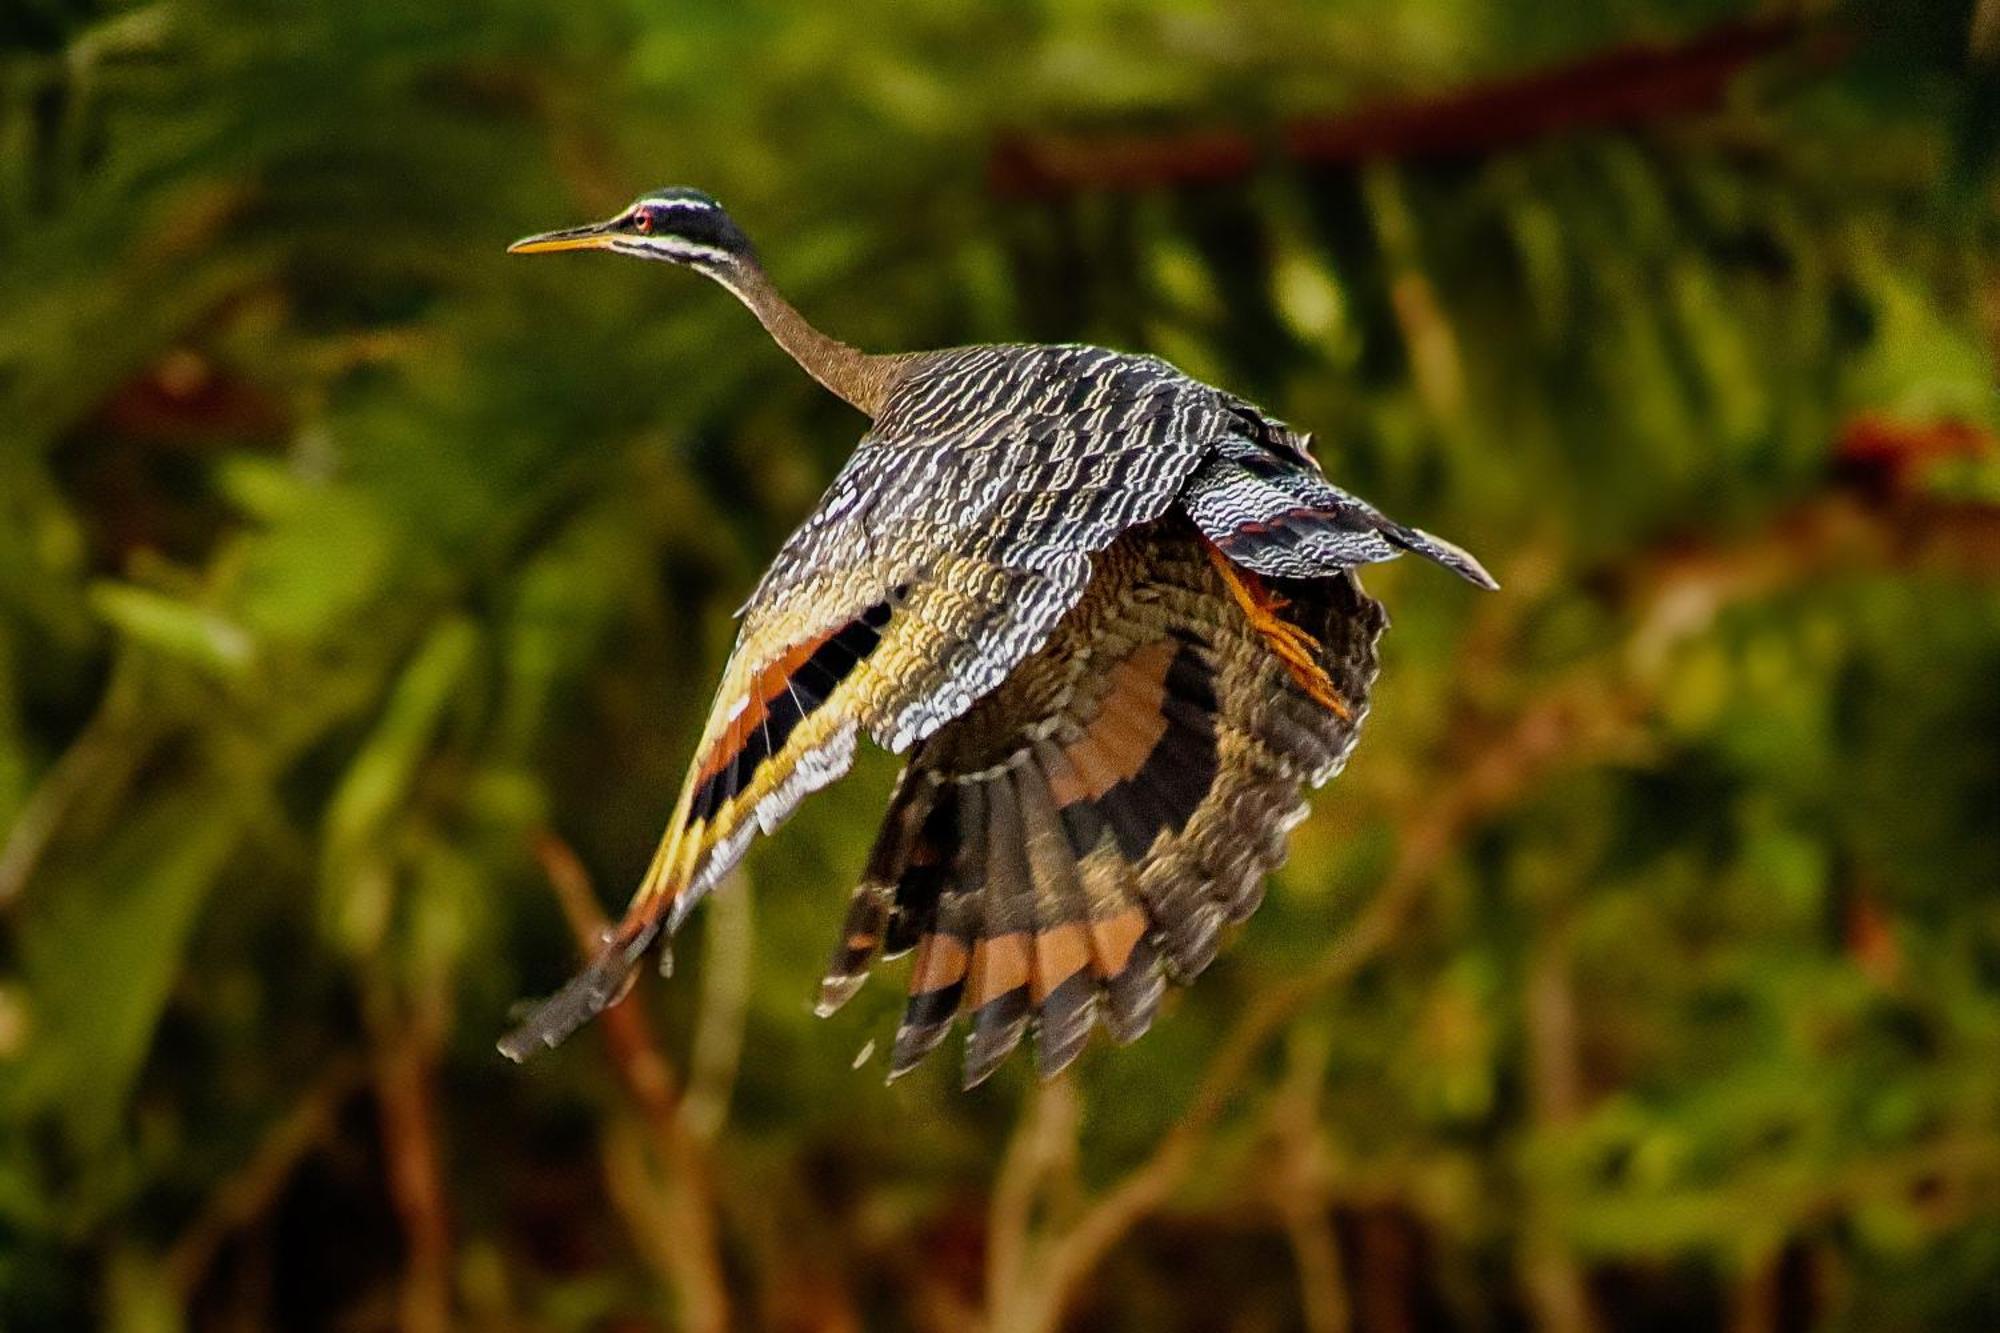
(1453,557)
(1054,872)
(1273,516)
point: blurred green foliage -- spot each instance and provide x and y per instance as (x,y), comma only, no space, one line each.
(343,561)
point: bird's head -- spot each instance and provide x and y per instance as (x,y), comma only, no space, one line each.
(680,225)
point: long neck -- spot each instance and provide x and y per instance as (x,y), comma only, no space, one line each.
(860,378)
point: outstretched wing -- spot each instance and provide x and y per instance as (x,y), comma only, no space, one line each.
(944,553)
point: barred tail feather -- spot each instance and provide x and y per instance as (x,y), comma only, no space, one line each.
(1281,517)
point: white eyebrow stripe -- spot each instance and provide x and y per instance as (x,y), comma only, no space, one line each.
(683,205)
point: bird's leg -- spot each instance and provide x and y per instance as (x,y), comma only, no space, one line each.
(1298,650)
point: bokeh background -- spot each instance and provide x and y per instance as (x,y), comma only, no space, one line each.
(361,590)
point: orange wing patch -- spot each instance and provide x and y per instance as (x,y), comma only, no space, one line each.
(780,697)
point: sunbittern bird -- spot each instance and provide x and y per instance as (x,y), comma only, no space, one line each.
(1110,614)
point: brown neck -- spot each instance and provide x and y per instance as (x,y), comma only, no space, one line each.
(858,377)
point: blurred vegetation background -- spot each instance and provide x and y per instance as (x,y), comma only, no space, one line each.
(361,590)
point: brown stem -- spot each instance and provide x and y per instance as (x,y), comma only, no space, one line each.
(1322,1284)
(730,937)
(406,1098)
(1018,1293)
(692,1262)
(1984,41)
(1755,1303)
(653,1211)
(251,1191)
(1436,365)
(1301,1190)
(1554,1279)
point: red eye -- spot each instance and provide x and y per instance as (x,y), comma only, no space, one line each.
(642,222)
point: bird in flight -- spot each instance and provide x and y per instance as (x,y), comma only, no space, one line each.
(1107,611)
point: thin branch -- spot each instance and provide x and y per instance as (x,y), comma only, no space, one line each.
(251,1191)
(693,1263)
(1437,367)
(1322,1278)
(648,1209)
(116,740)
(406,1097)
(1301,1193)
(725,1007)
(640,1064)
(1553,1277)
(1758,1297)
(1984,41)
(1017,1292)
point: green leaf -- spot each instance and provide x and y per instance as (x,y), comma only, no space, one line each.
(101,946)
(176,629)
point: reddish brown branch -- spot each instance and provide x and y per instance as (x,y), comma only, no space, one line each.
(251,1191)
(1552,1275)
(1624,86)
(1679,589)
(406,1096)
(1043,165)
(690,1256)
(641,1067)
(1891,457)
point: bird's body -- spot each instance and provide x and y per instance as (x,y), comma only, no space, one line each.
(1108,611)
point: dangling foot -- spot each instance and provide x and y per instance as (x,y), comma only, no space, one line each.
(1298,650)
